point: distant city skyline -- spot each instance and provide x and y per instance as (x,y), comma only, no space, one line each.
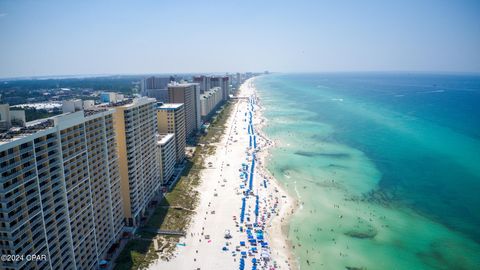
(52,38)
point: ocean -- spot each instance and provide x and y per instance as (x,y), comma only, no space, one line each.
(386,167)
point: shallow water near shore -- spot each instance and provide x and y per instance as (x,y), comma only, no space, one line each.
(385,167)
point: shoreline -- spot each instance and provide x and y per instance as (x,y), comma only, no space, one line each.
(278,225)
(221,193)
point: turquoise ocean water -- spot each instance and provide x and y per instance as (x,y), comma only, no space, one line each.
(386,167)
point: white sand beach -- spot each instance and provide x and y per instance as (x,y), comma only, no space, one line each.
(221,193)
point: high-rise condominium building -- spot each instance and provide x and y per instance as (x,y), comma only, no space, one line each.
(171,119)
(223,83)
(135,128)
(198,117)
(60,191)
(238,79)
(167,155)
(204,82)
(156,87)
(209,101)
(189,95)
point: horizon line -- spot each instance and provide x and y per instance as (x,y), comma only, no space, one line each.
(98,75)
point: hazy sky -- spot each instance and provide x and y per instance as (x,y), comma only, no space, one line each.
(109,37)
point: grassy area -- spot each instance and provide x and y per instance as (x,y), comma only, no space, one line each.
(217,125)
(134,255)
(177,207)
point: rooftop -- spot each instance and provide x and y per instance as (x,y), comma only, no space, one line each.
(210,92)
(127,102)
(42,124)
(183,84)
(94,110)
(164,138)
(170,106)
(136,102)
(30,128)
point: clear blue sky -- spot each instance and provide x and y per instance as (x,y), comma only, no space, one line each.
(130,37)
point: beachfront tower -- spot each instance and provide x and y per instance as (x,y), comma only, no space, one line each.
(189,95)
(209,101)
(171,119)
(60,191)
(167,155)
(135,129)
(224,84)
